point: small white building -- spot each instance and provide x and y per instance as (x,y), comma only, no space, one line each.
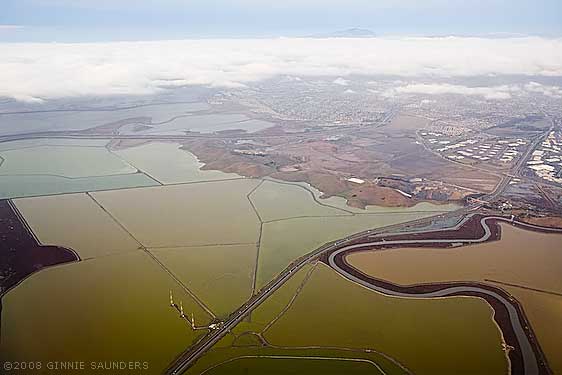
(356,180)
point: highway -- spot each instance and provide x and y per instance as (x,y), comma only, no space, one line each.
(187,358)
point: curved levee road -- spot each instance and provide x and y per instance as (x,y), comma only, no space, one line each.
(526,356)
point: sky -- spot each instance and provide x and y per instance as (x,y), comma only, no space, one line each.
(66,48)
(110,20)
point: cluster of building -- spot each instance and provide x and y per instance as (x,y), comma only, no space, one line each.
(353,101)
(512,150)
(546,160)
(478,114)
(308,100)
(464,114)
(447,129)
(249,152)
(473,150)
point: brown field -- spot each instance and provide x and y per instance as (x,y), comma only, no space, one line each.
(325,159)
(547,221)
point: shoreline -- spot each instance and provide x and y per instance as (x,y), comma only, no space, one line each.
(21,252)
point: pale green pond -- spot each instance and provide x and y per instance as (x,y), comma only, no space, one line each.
(63,161)
(169,164)
(29,143)
(26,186)
(271,196)
(45,167)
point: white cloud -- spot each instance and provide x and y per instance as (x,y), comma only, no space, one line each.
(552,91)
(492,93)
(428,101)
(340,81)
(34,71)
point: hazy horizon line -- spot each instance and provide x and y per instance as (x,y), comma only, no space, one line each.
(319,35)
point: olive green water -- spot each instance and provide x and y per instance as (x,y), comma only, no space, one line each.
(319,314)
(220,275)
(427,336)
(115,305)
(75,221)
(114,308)
(213,213)
(243,342)
(284,365)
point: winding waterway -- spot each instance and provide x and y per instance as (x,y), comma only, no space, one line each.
(527,357)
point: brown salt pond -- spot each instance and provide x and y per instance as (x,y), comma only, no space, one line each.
(527,264)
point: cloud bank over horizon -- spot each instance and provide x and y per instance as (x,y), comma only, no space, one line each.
(35,72)
(502,92)
(490,93)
